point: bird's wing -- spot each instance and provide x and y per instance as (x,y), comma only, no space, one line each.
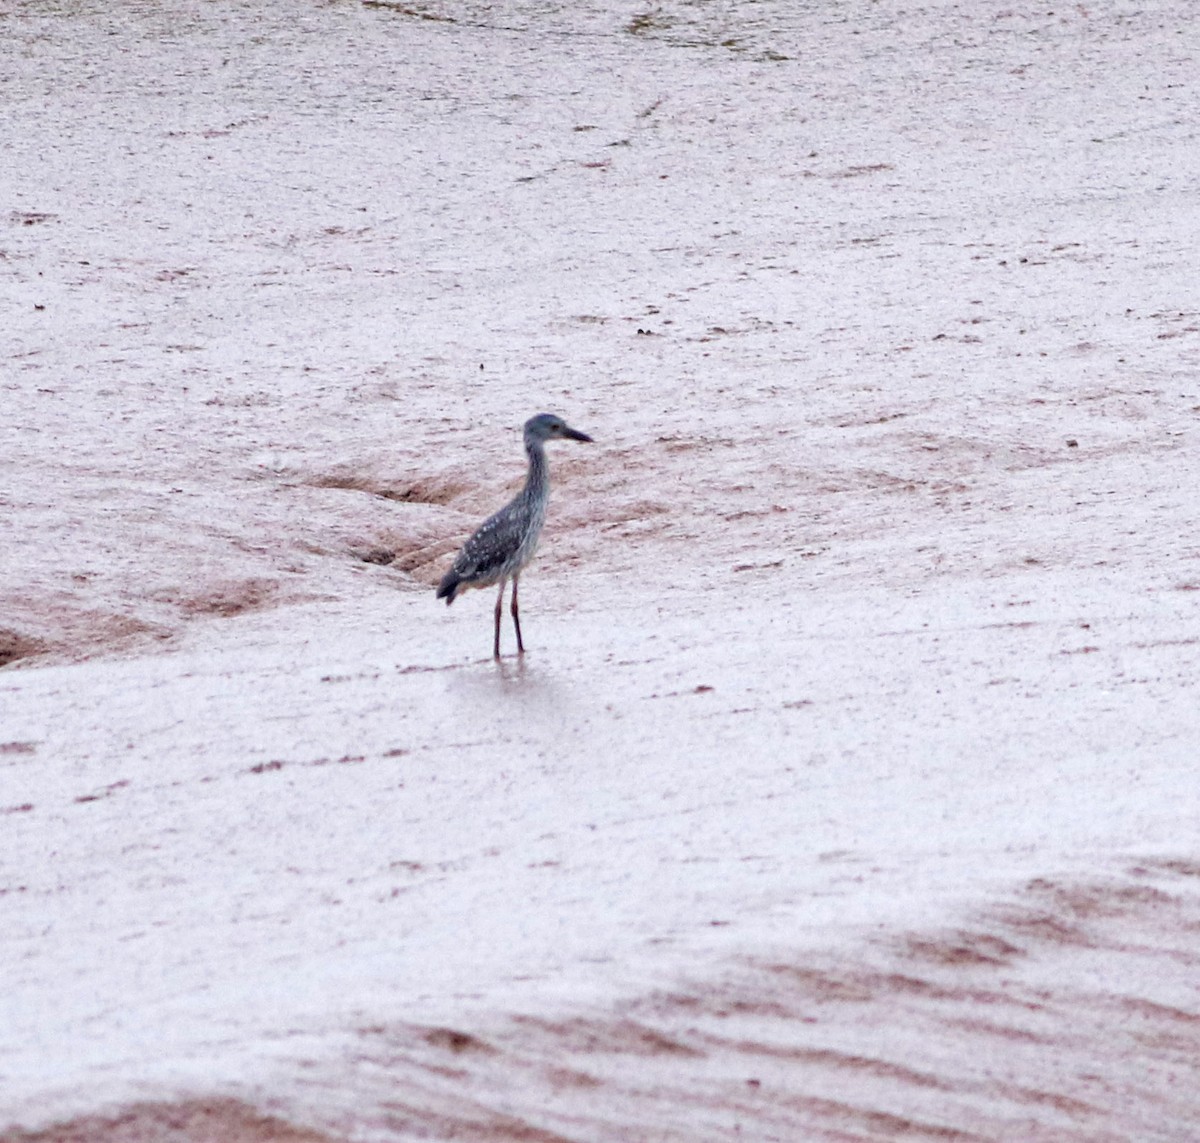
(494,543)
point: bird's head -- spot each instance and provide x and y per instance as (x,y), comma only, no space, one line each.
(548,427)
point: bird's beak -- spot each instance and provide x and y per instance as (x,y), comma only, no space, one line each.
(575,435)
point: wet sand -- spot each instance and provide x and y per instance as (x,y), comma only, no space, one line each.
(847,789)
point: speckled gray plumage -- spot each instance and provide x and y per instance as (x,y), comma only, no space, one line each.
(507,540)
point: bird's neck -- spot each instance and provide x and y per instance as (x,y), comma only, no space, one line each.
(539,470)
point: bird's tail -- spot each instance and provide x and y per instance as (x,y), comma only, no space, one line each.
(448,588)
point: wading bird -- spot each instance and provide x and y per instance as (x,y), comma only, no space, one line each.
(505,542)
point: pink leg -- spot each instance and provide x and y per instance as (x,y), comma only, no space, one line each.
(517,616)
(499,606)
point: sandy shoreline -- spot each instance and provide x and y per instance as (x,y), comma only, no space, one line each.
(847,790)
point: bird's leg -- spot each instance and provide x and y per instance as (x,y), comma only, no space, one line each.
(499,606)
(516,614)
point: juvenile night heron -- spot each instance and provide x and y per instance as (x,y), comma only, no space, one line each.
(505,542)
